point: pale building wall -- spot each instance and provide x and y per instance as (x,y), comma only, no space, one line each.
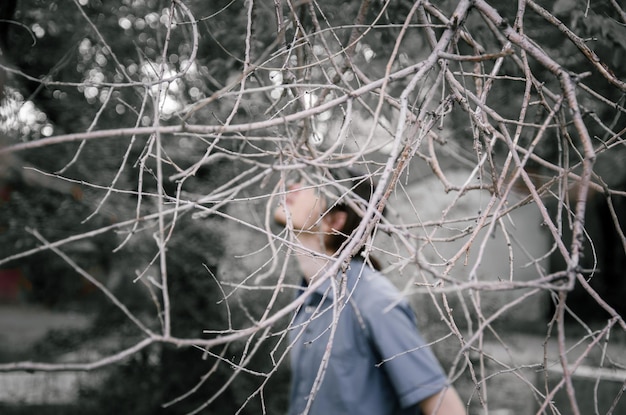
(424,201)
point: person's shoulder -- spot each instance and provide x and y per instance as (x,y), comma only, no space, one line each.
(372,287)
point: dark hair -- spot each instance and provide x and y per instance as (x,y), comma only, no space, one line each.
(358,187)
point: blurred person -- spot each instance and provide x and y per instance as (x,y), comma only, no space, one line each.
(355,346)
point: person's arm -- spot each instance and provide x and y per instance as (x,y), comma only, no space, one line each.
(446,402)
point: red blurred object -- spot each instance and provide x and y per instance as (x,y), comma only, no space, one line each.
(11,281)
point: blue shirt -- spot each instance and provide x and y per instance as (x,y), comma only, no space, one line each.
(378,362)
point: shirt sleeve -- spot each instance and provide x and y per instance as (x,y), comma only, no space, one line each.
(409,363)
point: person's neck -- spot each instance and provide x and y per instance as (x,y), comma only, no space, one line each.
(315,258)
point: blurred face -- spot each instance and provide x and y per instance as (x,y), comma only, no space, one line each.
(304,205)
